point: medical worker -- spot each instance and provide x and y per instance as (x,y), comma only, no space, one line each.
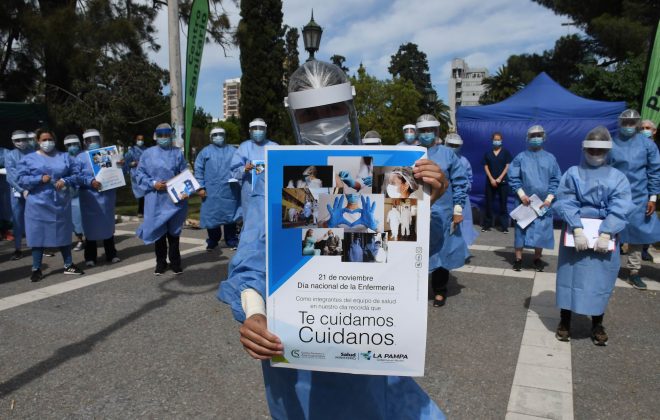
(72,147)
(243,160)
(394,219)
(355,252)
(409,135)
(455,142)
(372,138)
(220,198)
(163,219)
(447,249)
(639,161)
(96,207)
(131,160)
(363,178)
(48,175)
(400,183)
(309,244)
(586,273)
(18,194)
(649,131)
(302,394)
(406,219)
(5,201)
(534,171)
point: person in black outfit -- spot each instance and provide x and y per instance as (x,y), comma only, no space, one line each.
(496,164)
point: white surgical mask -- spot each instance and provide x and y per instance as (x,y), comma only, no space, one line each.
(47,146)
(393,191)
(595,160)
(326,131)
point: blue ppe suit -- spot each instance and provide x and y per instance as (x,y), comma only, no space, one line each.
(536,172)
(17,203)
(161,214)
(5,191)
(294,394)
(585,280)
(639,160)
(96,208)
(355,252)
(248,151)
(48,221)
(447,250)
(133,155)
(467,225)
(212,171)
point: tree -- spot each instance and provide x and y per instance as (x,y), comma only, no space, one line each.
(409,63)
(338,60)
(500,86)
(292,61)
(262,66)
(232,130)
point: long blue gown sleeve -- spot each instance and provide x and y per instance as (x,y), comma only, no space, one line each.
(181,163)
(567,204)
(73,176)
(27,178)
(128,159)
(459,181)
(555,177)
(11,164)
(200,164)
(468,172)
(514,174)
(619,204)
(238,162)
(653,168)
(142,176)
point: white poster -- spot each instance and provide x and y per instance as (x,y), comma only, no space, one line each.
(105,166)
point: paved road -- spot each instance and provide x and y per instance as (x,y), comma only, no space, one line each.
(122,343)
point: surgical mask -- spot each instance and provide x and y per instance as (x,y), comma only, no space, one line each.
(218,140)
(21,145)
(258,135)
(326,131)
(352,198)
(427,139)
(47,146)
(73,150)
(393,191)
(647,133)
(409,138)
(139,143)
(535,141)
(93,146)
(497,143)
(456,150)
(595,160)
(164,142)
(627,131)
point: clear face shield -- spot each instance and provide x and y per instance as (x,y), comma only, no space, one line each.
(400,183)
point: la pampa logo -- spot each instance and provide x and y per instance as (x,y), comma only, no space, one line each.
(367,355)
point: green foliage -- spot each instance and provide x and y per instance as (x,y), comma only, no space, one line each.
(232,130)
(262,58)
(292,61)
(500,86)
(201,118)
(339,60)
(409,63)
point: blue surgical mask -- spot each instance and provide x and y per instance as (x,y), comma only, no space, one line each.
(627,131)
(139,143)
(73,150)
(93,146)
(258,135)
(497,143)
(218,140)
(164,142)
(47,146)
(352,198)
(535,142)
(409,138)
(427,139)
(647,133)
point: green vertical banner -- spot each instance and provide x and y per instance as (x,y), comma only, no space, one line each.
(199,16)
(651,104)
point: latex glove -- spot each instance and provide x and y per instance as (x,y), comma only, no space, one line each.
(25,194)
(257,340)
(367,181)
(336,212)
(347,179)
(581,242)
(603,243)
(368,217)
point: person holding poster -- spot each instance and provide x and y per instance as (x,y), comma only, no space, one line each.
(300,394)
(97,208)
(586,277)
(163,219)
(448,250)
(248,152)
(220,201)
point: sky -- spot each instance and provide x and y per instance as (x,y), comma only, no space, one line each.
(483,33)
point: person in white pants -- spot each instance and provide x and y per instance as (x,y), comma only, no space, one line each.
(406,218)
(394,218)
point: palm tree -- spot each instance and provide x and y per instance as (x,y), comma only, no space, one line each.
(500,86)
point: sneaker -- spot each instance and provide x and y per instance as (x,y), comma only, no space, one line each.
(234,248)
(73,270)
(636,281)
(517,265)
(485,229)
(563,332)
(90,263)
(17,255)
(36,275)
(115,260)
(505,231)
(48,254)
(210,248)
(177,269)
(598,335)
(78,247)
(438,303)
(160,269)
(538,265)
(646,256)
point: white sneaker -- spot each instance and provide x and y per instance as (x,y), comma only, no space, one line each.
(115,260)
(78,247)
(90,263)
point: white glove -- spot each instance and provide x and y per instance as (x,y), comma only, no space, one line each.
(25,194)
(581,243)
(603,243)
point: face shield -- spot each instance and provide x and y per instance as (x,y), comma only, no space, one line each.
(217,136)
(92,139)
(372,138)
(535,136)
(320,104)
(597,145)
(72,144)
(400,182)
(20,139)
(454,141)
(409,133)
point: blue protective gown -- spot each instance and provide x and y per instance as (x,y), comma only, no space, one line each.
(47,211)
(247,152)
(536,172)
(585,280)
(212,171)
(133,155)
(639,160)
(97,209)
(17,203)
(5,191)
(467,225)
(161,214)
(294,394)
(447,250)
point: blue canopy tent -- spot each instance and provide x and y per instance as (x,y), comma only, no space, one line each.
(566,117)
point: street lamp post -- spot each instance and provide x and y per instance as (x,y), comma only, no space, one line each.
(312,37)
(431,97)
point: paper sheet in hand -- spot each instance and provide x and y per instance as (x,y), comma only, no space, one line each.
(525,215)
(590,227)
(257,170)
(106,170)
(184,183)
